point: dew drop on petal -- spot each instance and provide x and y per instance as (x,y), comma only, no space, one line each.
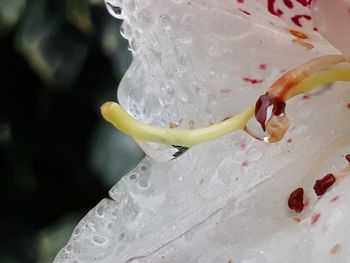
(99,240)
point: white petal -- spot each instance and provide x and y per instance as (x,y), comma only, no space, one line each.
(198,62)
(226,199)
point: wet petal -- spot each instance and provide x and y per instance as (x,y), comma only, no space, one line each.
(197,62)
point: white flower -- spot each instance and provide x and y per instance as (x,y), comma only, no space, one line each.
(198,62)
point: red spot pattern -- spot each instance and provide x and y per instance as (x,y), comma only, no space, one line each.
(272,10)
(244,11)
(243,145)
(253,81)
(263,66)
(306,97)
(295,200)
(322,185)
(240,1)
(334,199)
(245,164)
(315,218)
(288,3)
(305,2)
(296,19)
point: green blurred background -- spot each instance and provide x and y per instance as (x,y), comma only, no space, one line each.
(60,60)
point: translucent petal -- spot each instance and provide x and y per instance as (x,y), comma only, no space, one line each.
(227,199)
(196,62)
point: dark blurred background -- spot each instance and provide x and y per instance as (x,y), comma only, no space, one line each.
(59,61)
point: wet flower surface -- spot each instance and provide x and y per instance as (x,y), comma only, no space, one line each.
(195,63)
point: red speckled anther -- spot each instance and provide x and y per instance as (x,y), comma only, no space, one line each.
(322,185)
(296,200)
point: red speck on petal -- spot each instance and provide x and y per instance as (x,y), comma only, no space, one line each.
(315,29)
(289,140)
(244,11)
(306,97)
(253,81)
(245,164)
(315,218)
(334,199)
(296,19)
(348,105)
(295,200)
(288,3)
(347,157)
(305,2)
(271,8)
(322,185)
(240,1)
(243,145)
(263,66)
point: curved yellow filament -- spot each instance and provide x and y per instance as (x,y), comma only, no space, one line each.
(117,116)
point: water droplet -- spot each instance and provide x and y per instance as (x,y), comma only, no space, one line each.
(69,248)
(114,10)
(133,176)
(143,182)
(76,231)
(99,240)
(143,168)
(254,154)
(164,22)
(100,211)
(126,31)
(122,236)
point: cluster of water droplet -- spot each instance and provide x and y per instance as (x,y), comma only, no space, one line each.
(205,205)
(215,196)
(184,72)
(184,65)
(110,226)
